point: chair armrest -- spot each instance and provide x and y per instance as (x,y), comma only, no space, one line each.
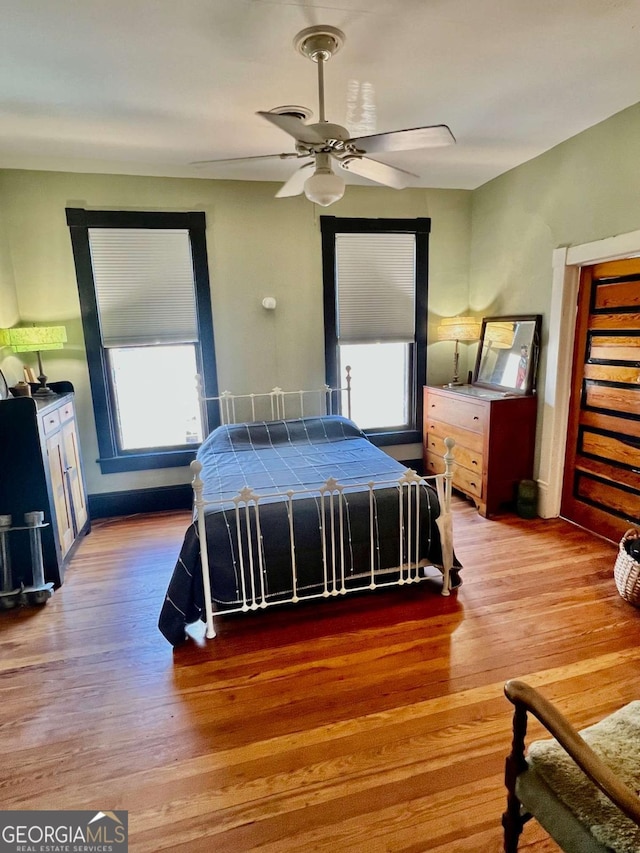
(524,696)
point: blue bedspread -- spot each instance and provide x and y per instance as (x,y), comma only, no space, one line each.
(279,456)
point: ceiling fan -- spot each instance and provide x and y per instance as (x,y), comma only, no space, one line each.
(323,143)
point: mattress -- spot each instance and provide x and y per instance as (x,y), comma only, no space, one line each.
(296,456)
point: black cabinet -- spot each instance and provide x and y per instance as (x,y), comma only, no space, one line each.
(41,469)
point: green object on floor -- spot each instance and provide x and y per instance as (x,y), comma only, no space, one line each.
(527,503)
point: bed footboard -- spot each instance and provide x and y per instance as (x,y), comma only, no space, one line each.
(244,519)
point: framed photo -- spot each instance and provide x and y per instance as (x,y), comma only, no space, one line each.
(508,354)
(4,388)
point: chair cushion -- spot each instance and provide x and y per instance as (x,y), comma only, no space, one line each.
(562,825)
(616,740)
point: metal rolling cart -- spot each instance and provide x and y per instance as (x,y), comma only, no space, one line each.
(40,591)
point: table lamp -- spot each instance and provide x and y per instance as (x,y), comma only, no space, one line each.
(458,329)
(35,339)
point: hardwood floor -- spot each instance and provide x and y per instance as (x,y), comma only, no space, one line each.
(371,724)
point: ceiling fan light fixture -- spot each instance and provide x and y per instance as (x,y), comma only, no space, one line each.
(323,140)
(324,187)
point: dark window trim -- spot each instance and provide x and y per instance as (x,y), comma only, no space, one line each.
(133,461)
(421,227)
(79,220)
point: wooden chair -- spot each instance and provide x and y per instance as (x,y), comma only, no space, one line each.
(558,780)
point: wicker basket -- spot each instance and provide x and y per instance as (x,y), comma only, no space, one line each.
(626,571)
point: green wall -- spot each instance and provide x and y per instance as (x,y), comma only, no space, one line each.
(9,316)
(585,189)
(258,246)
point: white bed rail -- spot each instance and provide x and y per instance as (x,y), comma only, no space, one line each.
(278,404)
(245,511)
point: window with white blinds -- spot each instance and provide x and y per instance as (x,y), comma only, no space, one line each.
(375,275)
(145,299)
(376,287)
(144,286)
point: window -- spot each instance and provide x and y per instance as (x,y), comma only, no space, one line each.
(146,312)
(375,299)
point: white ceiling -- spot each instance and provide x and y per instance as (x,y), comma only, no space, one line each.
(149,86)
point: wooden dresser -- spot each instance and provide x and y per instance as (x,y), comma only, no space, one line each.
(495,441)
(42,471)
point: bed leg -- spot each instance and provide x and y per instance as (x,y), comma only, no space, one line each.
(445,521)
(198,487)
(447,553)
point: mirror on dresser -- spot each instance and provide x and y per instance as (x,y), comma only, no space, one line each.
(507,358)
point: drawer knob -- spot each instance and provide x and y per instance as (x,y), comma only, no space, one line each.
(473,462)
(476,418)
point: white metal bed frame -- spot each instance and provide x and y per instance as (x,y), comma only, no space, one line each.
(278,400)
(331,497)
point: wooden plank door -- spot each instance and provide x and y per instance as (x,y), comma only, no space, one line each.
(601,487)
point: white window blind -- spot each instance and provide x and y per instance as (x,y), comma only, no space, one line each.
(144,286)
(375,277)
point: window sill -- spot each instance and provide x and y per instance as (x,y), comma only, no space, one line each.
(401,436)
(147,461)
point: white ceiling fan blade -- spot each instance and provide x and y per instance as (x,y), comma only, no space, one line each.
(381,173)
(405,140)
(294,126)
(295,184)
(286,156)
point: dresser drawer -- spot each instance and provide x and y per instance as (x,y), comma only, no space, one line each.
(463,479)
(464,413)
(463,437)
(51,421)
(464,456)
(468,481)
(434,464)
(66,412)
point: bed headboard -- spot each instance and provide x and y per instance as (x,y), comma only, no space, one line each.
(279,405)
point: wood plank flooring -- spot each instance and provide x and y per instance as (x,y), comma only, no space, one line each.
(374,723)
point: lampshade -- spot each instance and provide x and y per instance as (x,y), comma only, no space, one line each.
(499,334)
(324,187)
(36,338)
(459,329)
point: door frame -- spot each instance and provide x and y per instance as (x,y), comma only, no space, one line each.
(566,262)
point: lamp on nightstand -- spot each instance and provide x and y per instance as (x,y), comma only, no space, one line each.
(458,329)
(35,339)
